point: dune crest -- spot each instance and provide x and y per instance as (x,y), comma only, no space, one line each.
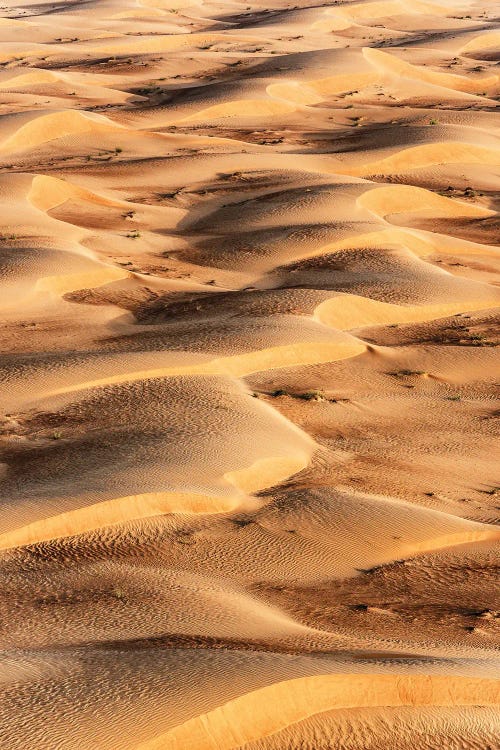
(57,125)
(405,198)
(350,312)
(429,155)
(49,192)
(253,716)
(389,63)
(110,512)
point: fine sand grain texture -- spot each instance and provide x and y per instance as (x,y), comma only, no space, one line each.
(249,290)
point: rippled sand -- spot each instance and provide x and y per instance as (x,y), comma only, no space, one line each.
(248,301)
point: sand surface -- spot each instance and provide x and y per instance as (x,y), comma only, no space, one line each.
(248,331)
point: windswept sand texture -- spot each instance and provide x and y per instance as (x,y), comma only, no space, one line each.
(248,294)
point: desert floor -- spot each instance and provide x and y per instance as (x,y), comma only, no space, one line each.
(248,335)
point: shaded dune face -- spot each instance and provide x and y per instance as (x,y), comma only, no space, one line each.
(248,332)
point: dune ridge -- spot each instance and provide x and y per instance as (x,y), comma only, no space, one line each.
(57,125)
(113,512)
(253,716)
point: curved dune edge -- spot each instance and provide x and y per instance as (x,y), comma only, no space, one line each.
(162,43)
(108,44)
(430,154)
(449,540)
(354,15)
(315,91)
(384,8)
(350,311)
(30,79)
(332,23)
(381,239)
(46,193)
(72,282)
(88,85)
(267,472)
(39,76)
(13,22)
(394,199)
(112,512)
(254,716)
(13,53)
(421,243)
(138,13)
(237,366)
(482,42)
(263,473)
(293,91)
(50,127)
(248,107)
(388,63)
(170,4)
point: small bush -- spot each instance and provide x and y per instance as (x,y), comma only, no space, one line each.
(407,373)
(119,594)
(311,396)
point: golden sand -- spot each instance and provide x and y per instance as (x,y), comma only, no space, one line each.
(248,308)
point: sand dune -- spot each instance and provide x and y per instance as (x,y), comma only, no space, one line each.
(255,108)
(392,200)
(111,512)
(389,63)
(350,312)
(143,451)
(380,724)
(238,366)
(48,192)
(57,125)
(401,531)
(429,155)
(481,42)
(249,333)
(253,716)
(64,86)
